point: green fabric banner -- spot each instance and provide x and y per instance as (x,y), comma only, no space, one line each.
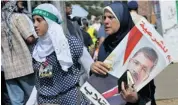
(45,14)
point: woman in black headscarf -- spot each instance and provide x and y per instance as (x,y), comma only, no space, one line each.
(118,23)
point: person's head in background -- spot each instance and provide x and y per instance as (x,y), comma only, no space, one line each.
(133,6)
(68,8)
(142,63)
(85,24)
(97,20)
(78,20)
(20,5)
(14,6)
(117,22)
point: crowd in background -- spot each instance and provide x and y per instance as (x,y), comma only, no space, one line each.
(37,55)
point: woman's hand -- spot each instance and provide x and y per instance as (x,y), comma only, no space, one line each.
(129,94)
(99,68)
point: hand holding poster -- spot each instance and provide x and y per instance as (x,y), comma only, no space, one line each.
(139,57)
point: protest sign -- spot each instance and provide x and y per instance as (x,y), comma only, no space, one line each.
(139,58)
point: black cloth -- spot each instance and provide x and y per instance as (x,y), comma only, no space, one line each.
(121,11)
(146,94)
(74,29)
(87,39)
(5,100)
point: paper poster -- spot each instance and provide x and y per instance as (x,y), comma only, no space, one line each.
(139,57)
(169,20)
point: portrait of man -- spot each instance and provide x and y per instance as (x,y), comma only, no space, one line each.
(139,65)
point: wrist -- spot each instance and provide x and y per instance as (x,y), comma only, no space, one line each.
(138,99)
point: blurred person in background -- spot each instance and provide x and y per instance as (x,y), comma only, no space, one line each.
(72,26)
(96,24)
(87,39)
(101,35)
(16,35)
(93,34)
(133,8)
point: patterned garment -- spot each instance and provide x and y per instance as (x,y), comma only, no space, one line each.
(62,88)
(20,63)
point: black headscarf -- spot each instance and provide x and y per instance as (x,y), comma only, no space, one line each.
(126,24)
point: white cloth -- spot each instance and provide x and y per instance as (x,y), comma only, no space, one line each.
(96,26)
(33,97)
(86,62)
(43,48)
(53,40)
(135,17)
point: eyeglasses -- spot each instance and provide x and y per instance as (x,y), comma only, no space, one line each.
(143,67)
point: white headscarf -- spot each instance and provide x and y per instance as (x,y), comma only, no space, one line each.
(54,39)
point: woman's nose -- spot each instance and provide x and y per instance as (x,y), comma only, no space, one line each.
(35,24)
(106,21)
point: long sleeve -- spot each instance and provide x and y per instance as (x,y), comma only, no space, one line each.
(85,61)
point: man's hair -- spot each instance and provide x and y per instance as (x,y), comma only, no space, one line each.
(149,53)
(68,4)
(85,22)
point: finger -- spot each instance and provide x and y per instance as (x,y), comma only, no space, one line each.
(100,71)
(104,65)
(95,71)
(123,88)
(101,67)
(92,66)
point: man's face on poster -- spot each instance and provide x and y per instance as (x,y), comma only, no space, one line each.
(140,67)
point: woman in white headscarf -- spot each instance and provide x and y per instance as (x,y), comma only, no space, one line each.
(57,60)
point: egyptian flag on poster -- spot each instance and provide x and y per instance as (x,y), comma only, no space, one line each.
(139,58)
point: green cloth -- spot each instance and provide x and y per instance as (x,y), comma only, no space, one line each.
(45,14)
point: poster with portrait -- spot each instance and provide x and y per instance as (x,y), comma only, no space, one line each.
(139,57)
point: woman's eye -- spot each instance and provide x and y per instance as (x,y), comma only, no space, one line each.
(111,17)
(39,20)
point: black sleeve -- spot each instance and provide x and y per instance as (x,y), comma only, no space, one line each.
(146,94)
